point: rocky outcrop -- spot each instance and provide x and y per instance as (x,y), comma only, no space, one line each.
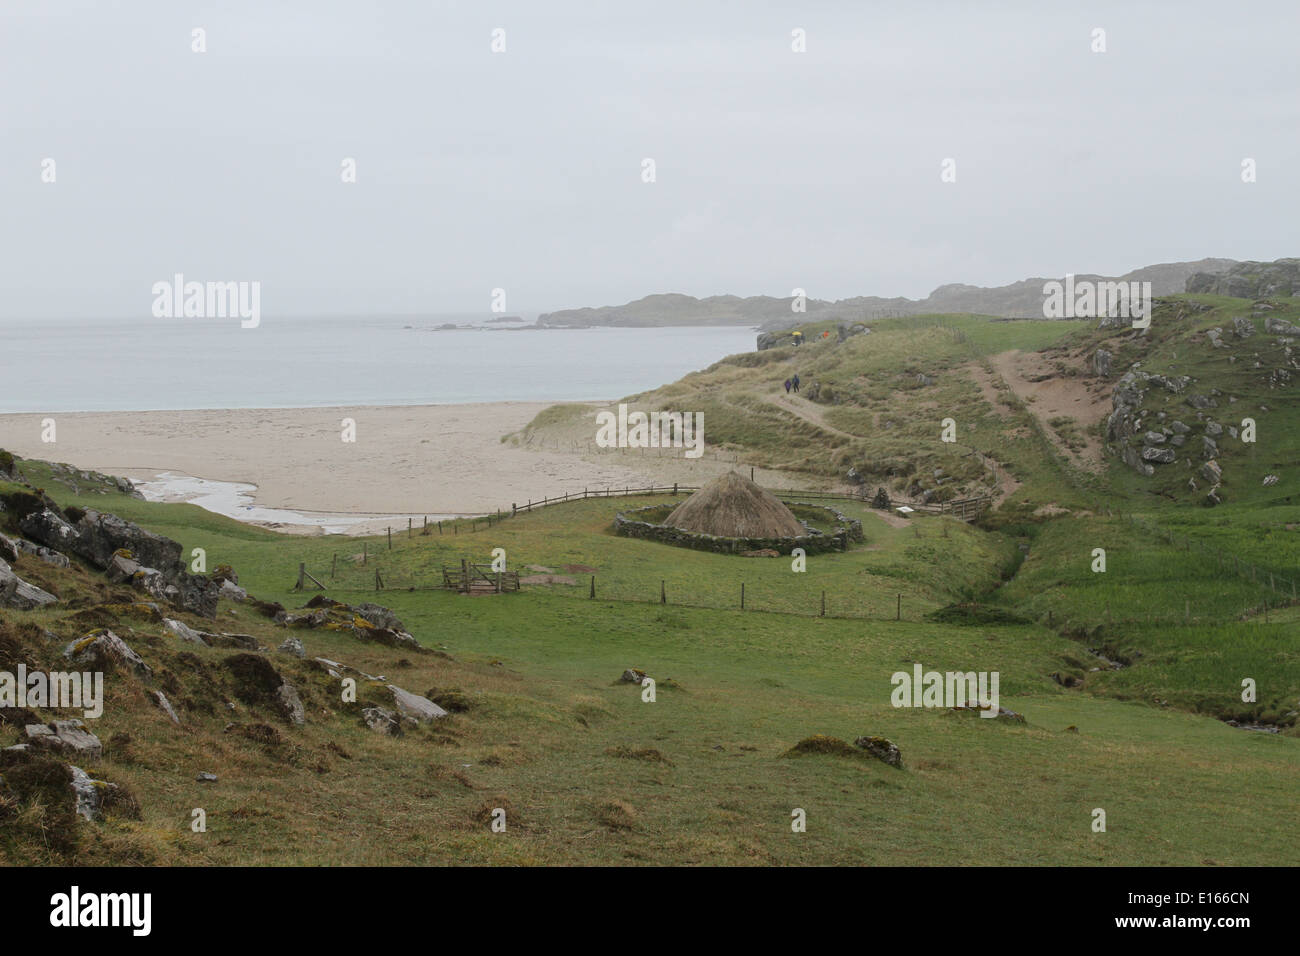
(1249,280)
(1101,363)
(1275,326)
(19,594)
(129,553)
(372,623)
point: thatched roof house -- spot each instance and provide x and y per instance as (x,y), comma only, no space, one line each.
(732,506)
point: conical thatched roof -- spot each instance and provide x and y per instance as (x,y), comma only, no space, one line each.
(732,506)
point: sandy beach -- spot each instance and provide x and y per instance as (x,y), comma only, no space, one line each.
(431,459)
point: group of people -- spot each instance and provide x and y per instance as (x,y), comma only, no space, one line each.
(792,383)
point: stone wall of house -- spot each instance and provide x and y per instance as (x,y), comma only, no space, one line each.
(630,525)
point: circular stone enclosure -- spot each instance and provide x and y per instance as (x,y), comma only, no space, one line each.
(829,530)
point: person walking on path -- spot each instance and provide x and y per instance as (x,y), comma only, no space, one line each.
(795,382)
(787,386)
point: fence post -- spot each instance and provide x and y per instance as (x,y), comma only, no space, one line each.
(742,595)
(378,583)
(898,614)
(365,548)
(663,595)
(334,565)
(390,539)
(302,569)
(823,614)
(408,527)
(593,587)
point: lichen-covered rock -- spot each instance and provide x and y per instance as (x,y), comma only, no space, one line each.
(293,647)
(882,749)
(289,704)
(95,796)
(1161,456)
(381,721)
(49,528)
(1242,327)
(232,591)
(104,649)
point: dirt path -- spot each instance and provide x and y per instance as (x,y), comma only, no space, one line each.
(1048,394)
(812,413)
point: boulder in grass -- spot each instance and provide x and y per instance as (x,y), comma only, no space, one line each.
(633,676)
(104,649)
(381,721)
(19,594)
(258,683)
(418,708)
(94,797)
(165,706)
(184,631)
(65,737)
(882,749)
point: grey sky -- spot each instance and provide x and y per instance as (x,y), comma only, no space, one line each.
(522,170)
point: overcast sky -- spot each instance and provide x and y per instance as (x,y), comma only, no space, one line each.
(523,170)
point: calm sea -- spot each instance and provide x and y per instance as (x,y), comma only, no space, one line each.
(64,366)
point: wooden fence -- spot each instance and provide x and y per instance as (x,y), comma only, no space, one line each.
(472,578)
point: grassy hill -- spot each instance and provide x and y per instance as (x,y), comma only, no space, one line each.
(1124,678)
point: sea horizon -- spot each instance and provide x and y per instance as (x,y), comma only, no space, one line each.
(395,360)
